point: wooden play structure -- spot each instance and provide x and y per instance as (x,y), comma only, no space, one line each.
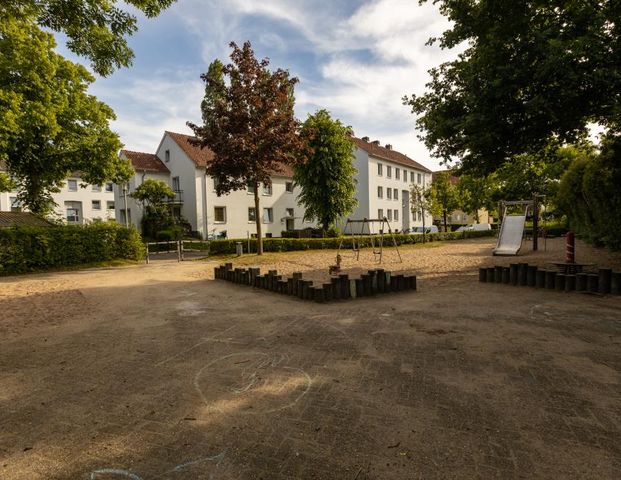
(367,229)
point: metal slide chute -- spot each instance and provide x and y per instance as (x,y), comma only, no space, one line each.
(512,230)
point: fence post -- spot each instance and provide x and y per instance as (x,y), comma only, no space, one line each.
(147,255)
(178,250)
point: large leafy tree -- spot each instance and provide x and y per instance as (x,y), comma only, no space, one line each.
(248,123)
(153,196)
(95,29)
(49,125)
(326,171)
(532,70)
(6,184)
(442,196)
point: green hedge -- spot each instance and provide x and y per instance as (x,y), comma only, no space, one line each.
(226,247)
(26,249)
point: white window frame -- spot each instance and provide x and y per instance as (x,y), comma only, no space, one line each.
(389,193)
(70,182)
(388,171)
(419,178)
(412,177)
(96,188)
(270,215)
(250,188)
(109,187)
(289,212)
(267,189)
(395,215)
(96,204)
(380,170)
(289,187)
(380,213)
(252,220)
(397,173)
(395,194)
(380,191)
(110,205)
(389,215)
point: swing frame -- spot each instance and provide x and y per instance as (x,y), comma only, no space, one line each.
(367,223)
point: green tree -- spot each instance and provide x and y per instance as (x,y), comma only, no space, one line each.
(442,196)
(326,170)
(6,184)
(533,70)
(153,196)
(475,193)
(249,124)
(49,125)
(95,29)
(419,203)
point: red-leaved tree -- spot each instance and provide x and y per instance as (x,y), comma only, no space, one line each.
(248,123)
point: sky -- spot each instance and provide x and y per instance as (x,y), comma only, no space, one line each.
(357,59)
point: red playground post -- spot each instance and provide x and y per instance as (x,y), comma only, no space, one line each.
(570,248)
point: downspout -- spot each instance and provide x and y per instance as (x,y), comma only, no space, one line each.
(205,226)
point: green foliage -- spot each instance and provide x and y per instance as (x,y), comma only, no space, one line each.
(152,193)
(442,196)
(589,195)
(248,122)
(419,202)
(531,71)
(326,170)
(26,249)
(6,184)
(95,29)
(227,247)
(49,125)
(157,217)
(172,233)
(475,193)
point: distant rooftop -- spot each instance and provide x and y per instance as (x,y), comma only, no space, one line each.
(387,153)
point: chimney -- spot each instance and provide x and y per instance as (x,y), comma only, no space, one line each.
(375,142)
(388,146)
(365,139)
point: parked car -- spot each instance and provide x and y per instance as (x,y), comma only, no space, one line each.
(476,227)
(420,230)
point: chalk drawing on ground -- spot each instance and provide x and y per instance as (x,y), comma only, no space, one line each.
(251,383)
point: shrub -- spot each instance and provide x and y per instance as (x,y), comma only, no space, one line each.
(227,247)
(26,249)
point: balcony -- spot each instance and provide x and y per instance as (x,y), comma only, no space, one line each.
(177,199)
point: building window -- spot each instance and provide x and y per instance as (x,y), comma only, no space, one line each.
(414,216)
(96,188)
(395,194)
(411,177)
(252,214)
(395,215)
(419,178)
(380,213)
(176,184)
(420,216)
(380,192)
(96,204)
(388,171)
(397,174)
(72,210)
(167,156)
(127,219)
(289,187)
(110,205)
(216,182)
(405,176)
(219,214)
(268,215)
(289,212)
(267,189)
(250,188)
(72,185)
(16,205)
(109,187)
(389,193)
(389,212)
(380,169)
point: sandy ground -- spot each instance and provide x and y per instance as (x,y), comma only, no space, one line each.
(159,372)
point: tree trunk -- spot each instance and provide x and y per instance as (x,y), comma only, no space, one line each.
(422,211)
(445,226)
(258,219)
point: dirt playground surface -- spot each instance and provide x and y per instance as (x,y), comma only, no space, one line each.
(159,372)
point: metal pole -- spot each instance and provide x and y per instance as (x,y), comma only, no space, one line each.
(147,253)
(125,188)
(535,223)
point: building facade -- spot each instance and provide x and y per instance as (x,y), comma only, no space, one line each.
(181,165)
(77,203)
(384,180)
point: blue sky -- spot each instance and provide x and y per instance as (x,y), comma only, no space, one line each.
(355,58)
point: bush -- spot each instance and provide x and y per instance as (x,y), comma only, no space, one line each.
(26,249)
(227,247)
(172,233)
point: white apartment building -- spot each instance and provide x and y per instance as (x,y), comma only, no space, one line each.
(182,166)
(385,177)
(76,203)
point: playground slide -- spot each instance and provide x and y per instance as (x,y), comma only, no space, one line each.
(510,238)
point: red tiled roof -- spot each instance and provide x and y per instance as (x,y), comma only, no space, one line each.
(202,156)
(388,154)
(145,162)
(452,178)
(22,219)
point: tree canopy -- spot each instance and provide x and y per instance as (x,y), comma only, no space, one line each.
(152,193)
(95,29)
(326,171)
(476,193)
(442,196)
(6,184)
(50,126)
(249,124)
(532,71)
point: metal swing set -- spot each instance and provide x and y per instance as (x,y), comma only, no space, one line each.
(366,230)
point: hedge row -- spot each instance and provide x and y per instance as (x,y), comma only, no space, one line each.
(26,249)
(226,247)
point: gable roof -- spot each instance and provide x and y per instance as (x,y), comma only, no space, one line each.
(22,219)
(388,154)
(202,156)
(146,162)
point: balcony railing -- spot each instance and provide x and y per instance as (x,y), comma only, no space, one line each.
(178,198)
